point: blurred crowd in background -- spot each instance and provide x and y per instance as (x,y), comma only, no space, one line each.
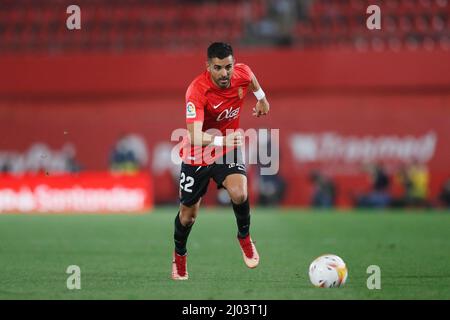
(413,177)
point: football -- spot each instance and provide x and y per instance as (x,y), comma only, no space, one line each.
(328,271)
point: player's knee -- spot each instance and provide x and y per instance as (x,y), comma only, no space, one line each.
(187,219)
(238,195)
(188,215)
(190,221)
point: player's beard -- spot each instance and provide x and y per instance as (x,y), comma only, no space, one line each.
(223,82)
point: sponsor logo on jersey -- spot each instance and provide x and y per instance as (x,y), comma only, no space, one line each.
(228,114)
(190,111)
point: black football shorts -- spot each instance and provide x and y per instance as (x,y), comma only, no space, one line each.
(194,180)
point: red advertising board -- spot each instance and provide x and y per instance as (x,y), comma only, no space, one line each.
(336,134)
(100,192)
(336,112)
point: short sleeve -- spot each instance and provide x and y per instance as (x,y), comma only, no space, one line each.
(245,71)
(195,105)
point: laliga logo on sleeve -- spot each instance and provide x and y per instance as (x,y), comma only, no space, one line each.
(190,110)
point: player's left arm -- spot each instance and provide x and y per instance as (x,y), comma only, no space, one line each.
(262,106)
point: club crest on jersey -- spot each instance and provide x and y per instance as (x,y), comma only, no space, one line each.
(241,92)
(190,110)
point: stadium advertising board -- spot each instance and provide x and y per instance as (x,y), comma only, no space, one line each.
(85,192)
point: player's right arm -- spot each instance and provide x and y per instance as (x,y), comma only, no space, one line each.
(201,138)
(195,108)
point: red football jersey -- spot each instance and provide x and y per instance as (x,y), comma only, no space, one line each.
(217,108)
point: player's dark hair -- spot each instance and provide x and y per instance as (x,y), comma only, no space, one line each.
(219,50)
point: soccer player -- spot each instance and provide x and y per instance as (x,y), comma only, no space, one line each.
(214,101)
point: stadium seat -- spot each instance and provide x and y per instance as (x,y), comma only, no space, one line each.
(108,24)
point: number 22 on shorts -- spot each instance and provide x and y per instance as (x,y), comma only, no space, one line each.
(189,182)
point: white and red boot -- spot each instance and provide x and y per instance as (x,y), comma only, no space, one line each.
(251,257)
(179,267)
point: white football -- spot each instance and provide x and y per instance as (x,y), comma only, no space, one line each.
(328,271)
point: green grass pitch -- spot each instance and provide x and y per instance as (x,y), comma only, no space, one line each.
(129,256)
